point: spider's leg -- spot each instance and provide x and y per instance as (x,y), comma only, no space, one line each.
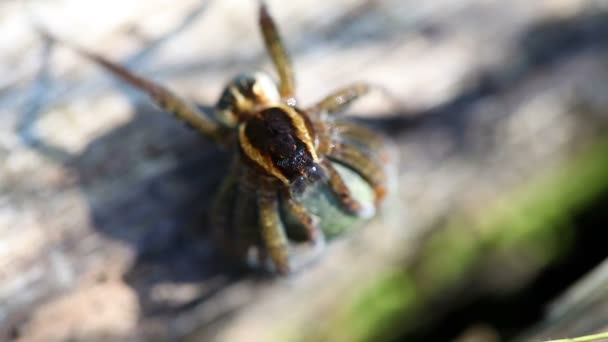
(278,54)
(340,99)
(162,97)
(245,228)
(357,160)
(273,233)
(349,203)
(347,130)
(222,209)
(262,257)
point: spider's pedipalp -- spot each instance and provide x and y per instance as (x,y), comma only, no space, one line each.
(343,193)
(314,233)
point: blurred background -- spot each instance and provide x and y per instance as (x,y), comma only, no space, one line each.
(495,230)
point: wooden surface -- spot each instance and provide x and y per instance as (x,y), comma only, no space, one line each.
(580,311)
(103,200)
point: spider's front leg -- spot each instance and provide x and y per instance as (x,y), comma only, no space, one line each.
(278,54)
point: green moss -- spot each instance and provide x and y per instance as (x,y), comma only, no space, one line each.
(538,218)
(533,219)
(374,310)
(445,258)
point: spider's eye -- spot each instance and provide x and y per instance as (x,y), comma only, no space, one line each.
(244,95)
(264,90)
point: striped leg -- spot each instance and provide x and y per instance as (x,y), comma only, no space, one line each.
(278,54)
(340,99)
(162,97)
(347,130)
(222,209)
(357,160)
(349,203)
(313,231)
(244,232)
(245,213)
(273,232)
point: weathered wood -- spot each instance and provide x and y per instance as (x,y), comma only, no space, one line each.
(581,311)
(103,202)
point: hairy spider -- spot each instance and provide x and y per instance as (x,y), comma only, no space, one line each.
(293,169)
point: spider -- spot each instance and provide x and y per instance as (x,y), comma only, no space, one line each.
(293,169)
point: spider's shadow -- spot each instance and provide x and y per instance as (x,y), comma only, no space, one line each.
(164,216)
(161,212)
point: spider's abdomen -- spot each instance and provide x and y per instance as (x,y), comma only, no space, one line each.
(279,140)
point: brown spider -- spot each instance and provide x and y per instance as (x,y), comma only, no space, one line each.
(293,169)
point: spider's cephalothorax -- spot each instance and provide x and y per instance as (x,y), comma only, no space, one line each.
(293,169)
